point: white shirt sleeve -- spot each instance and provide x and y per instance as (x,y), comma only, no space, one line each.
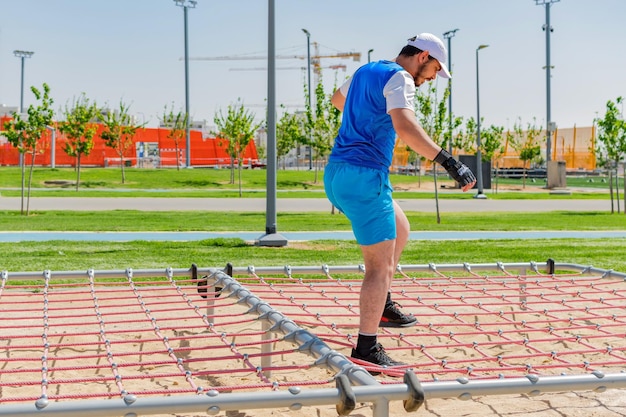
(400,91)
(345,86)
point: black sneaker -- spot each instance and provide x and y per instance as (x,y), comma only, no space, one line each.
(376,356)
(393,317)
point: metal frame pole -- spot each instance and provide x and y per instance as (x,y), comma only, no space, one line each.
(479,162)
(22,55)
(308,57)
(449,35)
(187,134)
(549,124)
(271,236)
(186,4)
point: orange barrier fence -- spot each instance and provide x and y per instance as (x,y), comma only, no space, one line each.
(574,145)
(151,148)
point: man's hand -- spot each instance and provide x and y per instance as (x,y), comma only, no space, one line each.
(457,170)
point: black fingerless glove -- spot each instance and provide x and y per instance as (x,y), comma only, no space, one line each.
(457,170)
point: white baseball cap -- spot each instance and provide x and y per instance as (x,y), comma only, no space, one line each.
(436,49)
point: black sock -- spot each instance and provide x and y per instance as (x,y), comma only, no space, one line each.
(365,343)
(388,298)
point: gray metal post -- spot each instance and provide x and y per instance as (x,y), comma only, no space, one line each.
(449,35)
(53,144)
(308,58)
(21,155)
(22,86)
(479,162)
(22,55)
(549,125)
(187,136)
(271,237)
(548,110)
(186,4)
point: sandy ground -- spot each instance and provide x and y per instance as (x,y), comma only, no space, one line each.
(79,337)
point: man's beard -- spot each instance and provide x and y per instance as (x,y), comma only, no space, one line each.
(420,75)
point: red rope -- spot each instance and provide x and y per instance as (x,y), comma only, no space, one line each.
(139,336)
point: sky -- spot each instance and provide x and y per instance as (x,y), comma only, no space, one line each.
(132,51)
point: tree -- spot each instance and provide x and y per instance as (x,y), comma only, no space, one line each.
(325,126)
(491,146)
(237,127)
(433,117)
(177,125)
(25,135)
(119,131)
(611,144)
(321,123)
(465,140)
(289,132)
(527,146)
(79,129)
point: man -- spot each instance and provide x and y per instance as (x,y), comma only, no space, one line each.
(377,104)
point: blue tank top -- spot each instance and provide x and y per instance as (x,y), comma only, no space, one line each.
(366,136)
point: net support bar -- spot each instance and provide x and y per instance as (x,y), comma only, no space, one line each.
(294,398)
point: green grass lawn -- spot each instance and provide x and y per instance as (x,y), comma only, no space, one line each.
(98,182)
(130,220)
(80,256)
(63,255)
(206,182)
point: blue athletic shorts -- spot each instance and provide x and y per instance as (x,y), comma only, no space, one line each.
(364,196)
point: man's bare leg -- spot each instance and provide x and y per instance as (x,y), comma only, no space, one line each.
(379,268)
(403,228)
(392,315)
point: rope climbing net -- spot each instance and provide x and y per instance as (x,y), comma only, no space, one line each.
(210,339)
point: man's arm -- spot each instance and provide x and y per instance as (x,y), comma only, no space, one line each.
(414,135)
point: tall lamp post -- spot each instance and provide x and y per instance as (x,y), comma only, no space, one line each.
(369,55)
(549,124)
(308,60)
(449,35)
(22,55)
(479,161)
(271,236)
(187,4)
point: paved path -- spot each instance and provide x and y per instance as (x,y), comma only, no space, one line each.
(291,204)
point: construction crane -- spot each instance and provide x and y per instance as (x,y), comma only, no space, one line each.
(315,59)
(335,67)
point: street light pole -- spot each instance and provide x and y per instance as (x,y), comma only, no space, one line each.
(479,162)
(308,58)
(271,236)
(549,124)
(186,4)
(22,55)
(449,35)
(369,54)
